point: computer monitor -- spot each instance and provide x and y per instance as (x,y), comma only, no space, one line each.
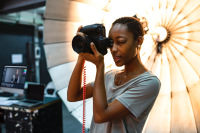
(13,79)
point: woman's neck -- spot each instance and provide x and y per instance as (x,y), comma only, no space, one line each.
(134,66)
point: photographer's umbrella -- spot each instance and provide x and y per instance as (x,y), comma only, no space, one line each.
(175,59)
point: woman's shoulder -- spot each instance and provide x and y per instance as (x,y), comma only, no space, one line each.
(149,78)
(151,75)
(148,75)
(112,72)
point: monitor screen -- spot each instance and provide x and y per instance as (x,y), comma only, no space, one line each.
(13,78)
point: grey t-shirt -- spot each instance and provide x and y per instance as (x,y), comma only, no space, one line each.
(137,95)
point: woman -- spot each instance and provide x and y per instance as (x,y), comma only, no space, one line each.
(122,99)
(15,78)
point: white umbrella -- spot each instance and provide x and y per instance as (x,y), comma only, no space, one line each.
(178,67)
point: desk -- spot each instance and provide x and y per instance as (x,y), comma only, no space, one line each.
(44,118)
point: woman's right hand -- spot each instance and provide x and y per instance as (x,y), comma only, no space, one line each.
(78,31)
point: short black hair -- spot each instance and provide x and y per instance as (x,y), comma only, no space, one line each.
(133,25)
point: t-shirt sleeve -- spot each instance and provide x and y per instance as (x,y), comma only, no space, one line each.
(140,96)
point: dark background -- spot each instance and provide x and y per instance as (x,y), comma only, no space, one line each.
(14,39)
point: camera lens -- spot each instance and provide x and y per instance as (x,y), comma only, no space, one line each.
(79,44)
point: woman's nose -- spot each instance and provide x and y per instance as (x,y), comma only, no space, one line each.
(114,48)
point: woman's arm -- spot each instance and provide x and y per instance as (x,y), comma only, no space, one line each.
(75,92)
(99,100)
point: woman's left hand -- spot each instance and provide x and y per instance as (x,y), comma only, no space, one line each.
(96,59)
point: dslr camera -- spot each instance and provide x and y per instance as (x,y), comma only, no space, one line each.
(93,33)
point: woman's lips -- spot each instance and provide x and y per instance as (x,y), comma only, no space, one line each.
(117,58)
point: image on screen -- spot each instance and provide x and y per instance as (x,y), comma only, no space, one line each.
(14,77)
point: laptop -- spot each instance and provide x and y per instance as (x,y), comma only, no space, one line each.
(34,96)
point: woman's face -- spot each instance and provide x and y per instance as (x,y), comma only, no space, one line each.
(124,46)
(16,72)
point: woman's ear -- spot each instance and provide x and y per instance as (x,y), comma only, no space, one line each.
(140,40)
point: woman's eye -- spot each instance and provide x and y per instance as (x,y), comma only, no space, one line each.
(121,42)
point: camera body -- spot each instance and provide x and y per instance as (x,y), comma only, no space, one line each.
(93,33)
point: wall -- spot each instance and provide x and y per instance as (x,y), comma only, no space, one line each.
(13,40)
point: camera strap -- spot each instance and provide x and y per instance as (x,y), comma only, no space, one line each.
(84,98)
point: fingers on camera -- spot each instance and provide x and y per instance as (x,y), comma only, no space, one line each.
(79,28)
(80,33)
(92,43)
